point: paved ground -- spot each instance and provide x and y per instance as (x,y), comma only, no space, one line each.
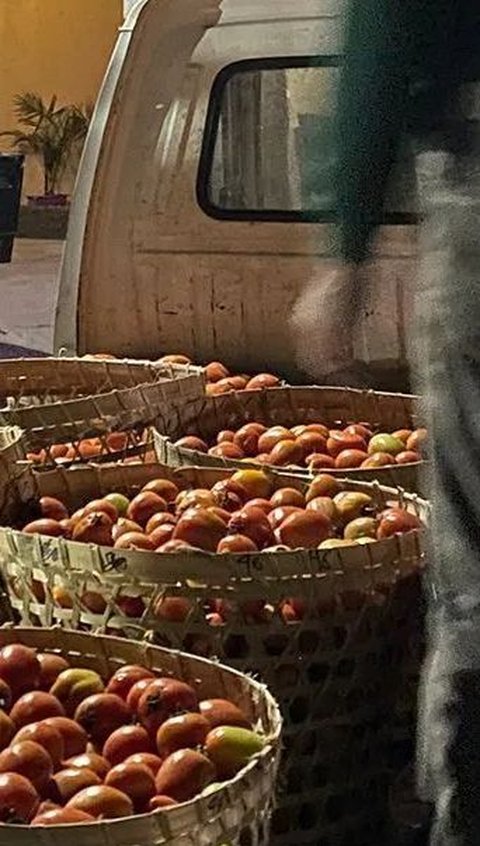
(28,290)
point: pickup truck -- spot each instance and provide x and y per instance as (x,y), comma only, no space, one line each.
(205,197)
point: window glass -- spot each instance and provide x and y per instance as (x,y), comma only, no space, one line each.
(269,148)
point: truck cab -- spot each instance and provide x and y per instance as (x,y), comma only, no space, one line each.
(205,197)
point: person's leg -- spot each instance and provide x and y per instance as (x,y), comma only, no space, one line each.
(453,713)
(448,359)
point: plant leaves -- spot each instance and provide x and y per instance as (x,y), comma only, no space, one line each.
(53,133)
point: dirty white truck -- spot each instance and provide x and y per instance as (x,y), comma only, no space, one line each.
(205,200)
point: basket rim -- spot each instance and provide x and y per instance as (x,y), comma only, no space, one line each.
(89,361)
(327,389)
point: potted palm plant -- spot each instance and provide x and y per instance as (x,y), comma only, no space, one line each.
(54,135)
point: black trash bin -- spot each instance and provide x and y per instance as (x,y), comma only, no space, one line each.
(11,179)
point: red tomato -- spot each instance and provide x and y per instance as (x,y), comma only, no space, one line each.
(46,736)
(125,742)
(30,760)
(50,668)
(136,781)
(163,698)
(75,738)
(68,782)
(338,441)
(237,543)
(18,799)
(89,761)
(350,458)
(319,461)
(183,731)
(19,668)
(101,714)
(306,529)
(287,496)
(222,712)
(35,706)
(123,679)
(184,774)
(62,816)
(397,521)
(102,802)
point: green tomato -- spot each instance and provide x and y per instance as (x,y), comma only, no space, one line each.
(230,748)
(120,502)
(385,443)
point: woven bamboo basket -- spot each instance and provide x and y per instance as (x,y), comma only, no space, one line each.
(12,452)
(290,406)
(236,812)
(58,400)
(342,674)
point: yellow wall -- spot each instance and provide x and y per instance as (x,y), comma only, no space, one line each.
(54,47)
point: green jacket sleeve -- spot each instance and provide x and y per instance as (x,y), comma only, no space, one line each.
(371,112)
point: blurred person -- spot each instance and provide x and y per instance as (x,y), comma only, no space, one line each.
(413,66)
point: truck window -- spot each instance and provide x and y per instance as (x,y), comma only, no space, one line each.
(268,145)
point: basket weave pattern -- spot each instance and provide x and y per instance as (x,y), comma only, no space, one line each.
(235,813)
(57,400)
(12,454)
(339,674)
(12,451)
(290,406)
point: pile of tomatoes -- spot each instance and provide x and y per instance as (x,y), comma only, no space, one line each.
(221,381)
(75,748)
(314,445)
(88,449)
(244,513)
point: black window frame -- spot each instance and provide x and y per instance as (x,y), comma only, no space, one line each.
(210,136)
